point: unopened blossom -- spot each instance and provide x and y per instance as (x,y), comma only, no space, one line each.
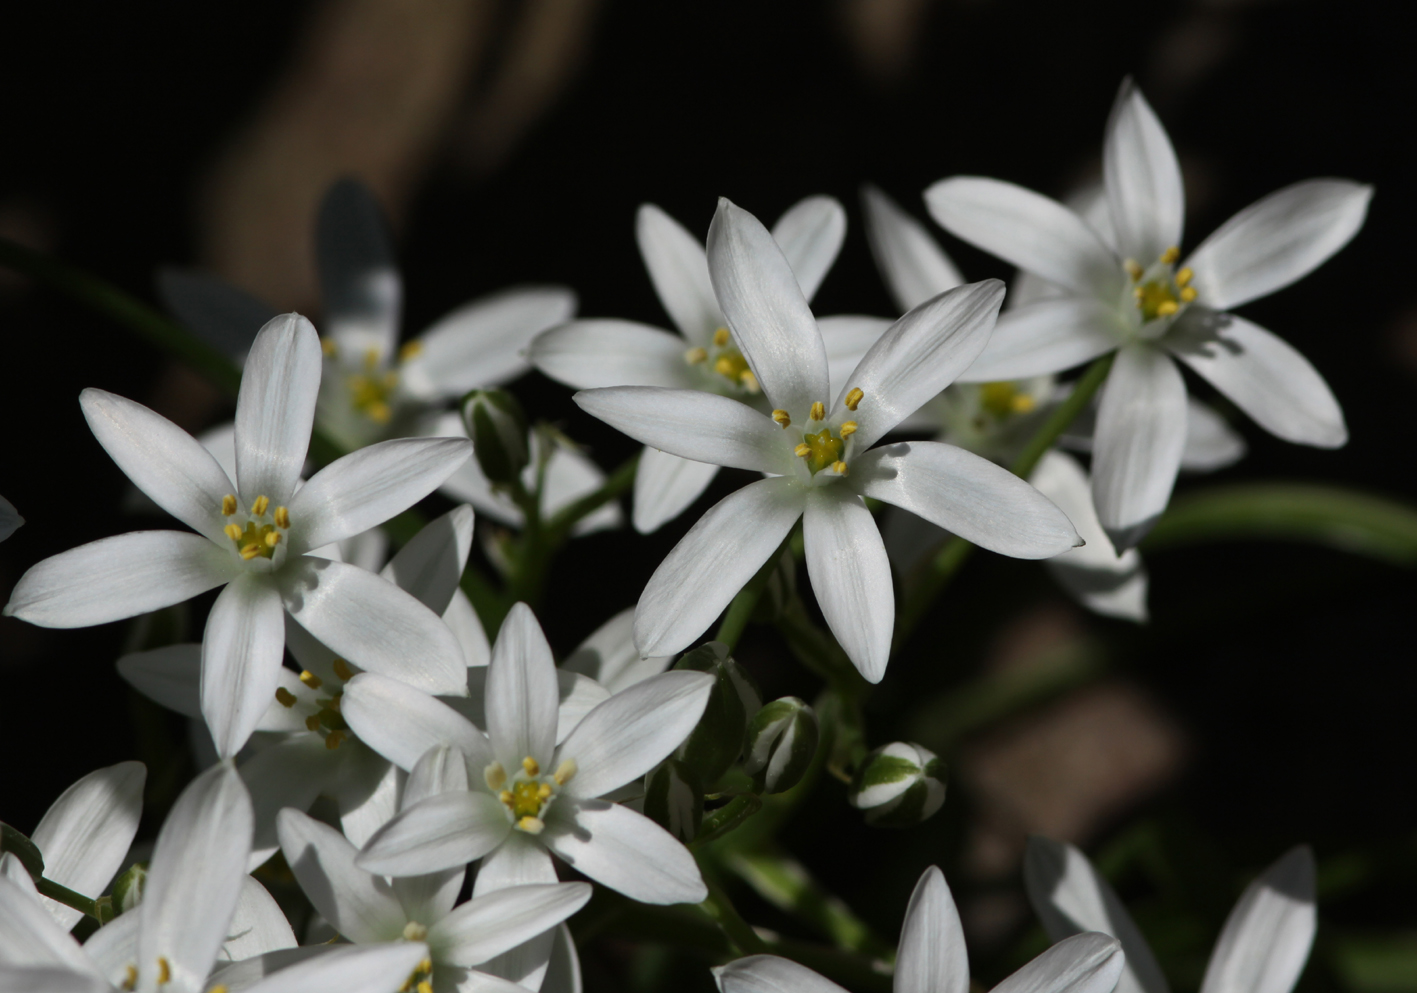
(817,458)
(529,797)
(704,355)
(255,538)
(932,958)
(1261,949)
(1128,290)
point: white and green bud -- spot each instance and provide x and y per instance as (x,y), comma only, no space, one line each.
(128,889)
(497,427)
(779,744)
(899,785)
(714,744)
(674,799)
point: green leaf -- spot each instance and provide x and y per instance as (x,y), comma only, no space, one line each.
(1377,963)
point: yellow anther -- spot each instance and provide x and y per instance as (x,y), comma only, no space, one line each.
(284,697)
(335,739)
(1166,308)
(532,767)
(371,359)
(328,346)
(379,412)
(720,337)
(1133,268)
(424,986)
(413,931)
(250,552)
(228,505)
(164,971)
(544,791)
(334,703)
(506,797)
(848,428)
(749,381)
(272,539)
(1022,403)
(425,965)
(410,350)
(1139,293)
(313,722)
(695,355)
(1185,276)
(310,679)
(495,776)
(130,977)
(839,468)
(802,450)
(782,417)
(819,412)
(1171,255)
(854,397)
(218,988)
(233,532)
(532,825)
(1188,293)
(725,366)
(259,507)
(342,669)
(565,772)
(283,518)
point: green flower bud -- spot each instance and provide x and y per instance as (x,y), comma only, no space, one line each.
(674,799)
(780,743)
(128,890)
(713,746)
(899,785)
(497,427)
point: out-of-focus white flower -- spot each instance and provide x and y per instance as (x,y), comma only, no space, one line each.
(10,518)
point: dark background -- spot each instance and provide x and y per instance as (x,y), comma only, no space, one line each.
(1287,669)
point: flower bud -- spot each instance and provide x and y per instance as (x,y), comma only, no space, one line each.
(128,889)
(779,744)
(674,799)
(715,742)
(898,785)
(497,427)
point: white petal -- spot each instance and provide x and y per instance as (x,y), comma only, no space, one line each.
(430,566)
(258,926)
(932,957)
(848,337)
(290,773)
(627,735)
(350,969)
(441,769)
(430,897)
(497,922)
(222,315)
(30,937)
(1027,229)
(361,906)
(195,878)
(570,475)
(85,834)
(1145,196)
(1278,240)
(770,974)
(610,658)
(522,693)
(1141,432)
(1070,897)
(442,832)
(1211,443)
(1084,963)
(579,696)
(563,973)
(665,486)
(401,723)
(694,425)
(585,354)
(359,283)
(851,576)
(810,236)
(368,792)
(10,518)
(463,621)
(114,947)
(1264,376)
(242,648)
(711,563)
(374,624)
(518,861)
(1046,337)
(245,975)
(168,676)
(483,343)
(118,577)
(275,409)
(678,268)
(919,356)
(161,459)
(1267,937)
(624,850)
(967,495)
(467,483)
(913,265)
(766,310)
(369,486)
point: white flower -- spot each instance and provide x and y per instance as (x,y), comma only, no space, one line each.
(255,538)
(609,655)
(529,796)
(170,941)
(818,458)
(1123,290)
(704,355)
(932,958)
(1262,948)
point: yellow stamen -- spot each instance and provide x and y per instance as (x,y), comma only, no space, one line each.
(720,337)
(272,539)
(259,507)
(130,977)
(749,381)
(1023,403)
(1166,308)
(164,971)
(724,366)
(410,350)
(532,767)
(565,772)
(342,669)
(233,532)
(854,397)
(1133,268)
(425,965)
(424,986)
(284,697)
(819,412)
(1185,276)
(839,468)
(327,345)
(313,722)
(334,703)
(335,739)
(250,552)
(228,505)
(544,791)
(532,825)
(283,518)
(1171,255)
(218,988)
(506,797)
(848,428)
(1139,293)
(695,355)
(823,449)
(371,359)
(782,417)
(310,679)
(413,931)
(379,412)
(1188,293)
(802,450)
(495,776)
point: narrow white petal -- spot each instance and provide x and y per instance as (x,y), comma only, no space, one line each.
(624,850)
(161,459)
(518,861)
(967,495)
(369,486)
(497,922)
(467,483)
(112,948)
(766,310)
(169,676)
(1084,963)
(441,769)
(522,693)
(428,898)
(50,979)
(275,409)
(848,337)
(711,563)
(628,734)
(30,937)
(290,773)
(118,577)
(1145,196)
(586,354)
(678,268)
(570,475)
(932,957)
(10,518)
(348,969)
(1046,337)
(430,566)
(368,792)
(770,974)
(851,576)
(401,723)
(1211,443)
(1264,376)
(1267,937)
(919,356)
(609,655)
(913,265)
(810,236)
(442,832)
(359,905)
(694,425)
(1278,240)
(359,282)
(258,926)
(665,486)
(463,621)
(1141,433)
(1027,229)
(242,648)
(563,973)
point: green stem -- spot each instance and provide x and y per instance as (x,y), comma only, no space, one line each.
(66,896)
(786,884)
(740,610)
(727,818)
(1063,415)
(721,909)
(560,523)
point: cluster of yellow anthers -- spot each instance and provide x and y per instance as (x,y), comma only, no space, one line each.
(728,361)
(371,391)
(258,537)
(327,720)
(1003,399)
(164,976)
(823,448)
(529,794)
(1163,295)
(421,979)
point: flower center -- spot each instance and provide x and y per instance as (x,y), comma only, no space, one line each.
(420,980)
(1160,291)
(1004,399)
(322,713)
(527,796)
(824,448)
(726,360)
(262,531)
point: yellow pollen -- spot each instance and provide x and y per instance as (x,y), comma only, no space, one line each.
(1171,255)
(228,505)
(819,412)
(822,450)
(545,791)
(313,722)
(1156,299)
(424,986)
(130,977)
(532,825)
(782,417)
(233,532)
(335,739)
(1023,403)
(250,552)
(310,679)
(273,539)
(848,428)
(1139,293)
(218,988)
(327,345)
(1004,398)
(259,507)
(1133,268)
(284,697)
(1185,276)
(371,359)
(410,350)
(495,777)
(565,772)
(425,965)
(802,450)
(342,669)
(506,797)
(839,468)
(1166,308)
(1188,293)
(532,767)
(749,381)
(724,366)
(854,397)
(379,412)
(720,337)
(164,971)
(695,355)
(283,518)
(413,931)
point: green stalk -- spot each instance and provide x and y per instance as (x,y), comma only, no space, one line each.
(721,909)
(66,896)
(740,610)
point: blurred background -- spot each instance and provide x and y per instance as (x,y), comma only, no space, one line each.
(1268,702)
